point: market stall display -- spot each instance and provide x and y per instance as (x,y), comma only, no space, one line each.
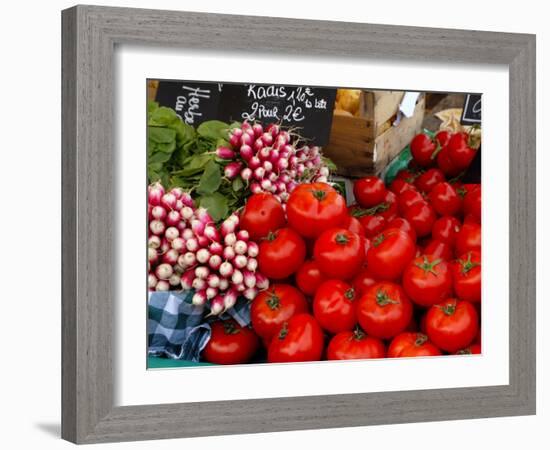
(253,214)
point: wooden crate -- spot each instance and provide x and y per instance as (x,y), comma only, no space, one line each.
(365,144)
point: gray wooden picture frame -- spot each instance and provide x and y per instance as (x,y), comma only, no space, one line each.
(90,34)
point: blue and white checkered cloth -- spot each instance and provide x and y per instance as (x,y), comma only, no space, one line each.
(178,329)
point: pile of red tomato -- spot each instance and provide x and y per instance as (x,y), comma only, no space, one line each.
(398,274)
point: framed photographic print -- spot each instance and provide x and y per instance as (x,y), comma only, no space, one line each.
(292,232)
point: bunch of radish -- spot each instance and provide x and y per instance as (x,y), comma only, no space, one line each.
(187,251)
(271,159)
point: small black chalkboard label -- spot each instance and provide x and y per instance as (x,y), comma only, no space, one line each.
(471,113)
(306,108)
(193,102)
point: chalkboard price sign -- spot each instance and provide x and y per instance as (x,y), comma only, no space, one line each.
(305,108)
(193,102)
(471,113)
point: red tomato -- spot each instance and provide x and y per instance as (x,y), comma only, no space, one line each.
(406,175)
(388,208)
(384,310)
(473,349)
(445,164)
(468,238)
(308,277)
(230,343)
(281,254)
(339,253)
(411,344)
(445,199)
(442,138)
(362,281)
(298,339)
(452,325)
(408,199)
(472,203)
(438,249)
(353,224)
(445,230)
(315,207)
(262,213)
(427,280)
(274,306)
(426,181)
(422,218)
(402,224)
(355,345)
(390,252)
(466,272)
(399,186)
(334,306)
(422,149)
(369,191)
(460,152)
(371,223)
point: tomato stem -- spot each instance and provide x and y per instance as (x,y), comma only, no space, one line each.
(358,334)
(378,240)
(350,294)
(273,301)
(467,265)
(361,212)
(421,339)
(271,236)
(341,239)
(319,195)
(229,327)
(428,266)
(383,299)
(448,309)
(284,331)
(437,150)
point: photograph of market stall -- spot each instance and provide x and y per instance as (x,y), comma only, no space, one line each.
(301,223)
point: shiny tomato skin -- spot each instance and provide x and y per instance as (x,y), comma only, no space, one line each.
(384,310)
(399,186)
(372,224)
(389,208)
(298,339)
(445,229)
(460,153)
(466,271)
(262,214)
(468,238)
(472,203)
(309,277)
(422,217)
(230,343)
(390,252)
(426,181)
(354,345)
(362,281)
(315,207)
(369,191)
(274,306)
(411,344)
(353,224)
(445,200)
(438,249)
(442,138)
(422,148)
(407,199)
(452,324)
(427,280)
(445,164)
(334,306)
(339,253)
(281,254)
(404,225)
